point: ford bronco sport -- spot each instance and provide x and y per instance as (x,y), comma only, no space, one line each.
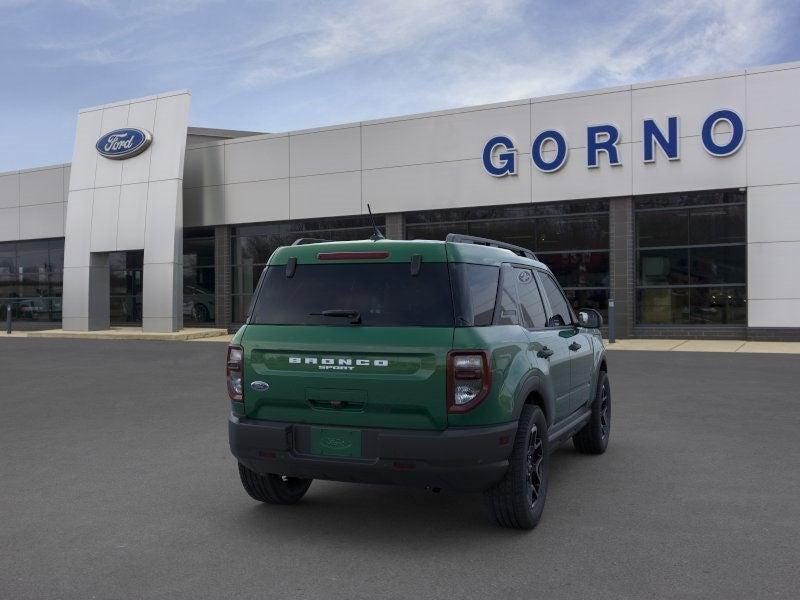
(453,365)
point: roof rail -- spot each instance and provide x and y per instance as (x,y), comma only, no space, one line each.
(304,241)
(471,239)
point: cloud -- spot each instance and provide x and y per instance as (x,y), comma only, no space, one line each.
(672,40)
(326,39)
(276,65)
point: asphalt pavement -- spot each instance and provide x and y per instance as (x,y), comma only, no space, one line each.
(116,482)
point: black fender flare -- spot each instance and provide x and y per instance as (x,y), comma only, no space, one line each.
(535,381)
(601,358)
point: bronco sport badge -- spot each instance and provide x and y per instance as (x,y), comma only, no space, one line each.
(337,364)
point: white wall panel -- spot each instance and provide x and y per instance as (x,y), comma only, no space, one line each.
(773,156)
(158,294)
(772,270)
(84,157)
(692,101)
(169,137)
(696,170)
(328,151)
(442,185)
(773,99)
(105,218)
(571,116)
(132,212)
(9,190)
(325,195)
(41,221)
(9,224)
(44,186)
(141,115)
(575,180)
(161,230)
(773,213)
(773,313)
(257,160)
(257,201)
(443,138)
(75,303)
(204,166)
(65,177)
(109,171)
(79,215)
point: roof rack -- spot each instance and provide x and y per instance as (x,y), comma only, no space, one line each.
(304,241)
(471,239)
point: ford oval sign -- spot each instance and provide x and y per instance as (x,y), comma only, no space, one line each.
(123,143)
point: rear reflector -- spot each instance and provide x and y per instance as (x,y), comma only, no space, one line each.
(351,255)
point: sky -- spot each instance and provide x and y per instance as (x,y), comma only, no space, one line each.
(283,65)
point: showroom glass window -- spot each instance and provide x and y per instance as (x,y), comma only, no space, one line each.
(31,276)
(691,259)
(569,237)
(198,276)
(252,246)
(125,269)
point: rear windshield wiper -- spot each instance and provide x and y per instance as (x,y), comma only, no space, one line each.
(353,315)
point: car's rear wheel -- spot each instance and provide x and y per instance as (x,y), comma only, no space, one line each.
(273,489)
(593,438)
(518,500)
(200,313)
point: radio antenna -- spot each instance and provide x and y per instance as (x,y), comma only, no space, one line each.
(377,235)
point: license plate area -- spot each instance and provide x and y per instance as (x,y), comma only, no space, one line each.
(333,441)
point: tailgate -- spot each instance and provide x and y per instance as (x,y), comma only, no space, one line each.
(353,376)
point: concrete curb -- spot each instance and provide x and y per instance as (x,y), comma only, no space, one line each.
(730,346)
(124,333)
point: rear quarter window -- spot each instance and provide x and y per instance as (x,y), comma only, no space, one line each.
(474,293)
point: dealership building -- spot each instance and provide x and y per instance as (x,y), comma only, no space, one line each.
(678,201)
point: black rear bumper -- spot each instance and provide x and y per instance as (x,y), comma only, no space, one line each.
(466,459)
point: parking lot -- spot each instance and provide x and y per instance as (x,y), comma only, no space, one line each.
(116,482)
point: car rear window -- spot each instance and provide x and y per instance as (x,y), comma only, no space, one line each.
(384,294)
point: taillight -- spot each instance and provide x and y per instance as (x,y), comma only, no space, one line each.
(468,379)
(234,372)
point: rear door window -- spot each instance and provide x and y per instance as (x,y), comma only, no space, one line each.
(530,300)
(384,294)
(560,312)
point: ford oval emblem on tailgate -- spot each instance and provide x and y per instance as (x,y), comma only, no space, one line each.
(259,386)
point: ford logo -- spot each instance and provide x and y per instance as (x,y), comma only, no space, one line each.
(259,386)
(123,143)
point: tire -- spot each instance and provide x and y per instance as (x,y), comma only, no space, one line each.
(200,313)
(517,501)
(593,438)
(273,489)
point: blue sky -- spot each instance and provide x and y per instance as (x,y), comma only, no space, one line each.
(277,66)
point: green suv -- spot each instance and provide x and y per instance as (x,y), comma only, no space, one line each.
(454,365)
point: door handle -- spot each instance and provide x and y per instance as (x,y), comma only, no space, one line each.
(545,352)
(574,346)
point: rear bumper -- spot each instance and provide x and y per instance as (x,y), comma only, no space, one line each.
(465,459)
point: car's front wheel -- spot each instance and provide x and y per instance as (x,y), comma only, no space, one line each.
(273,489)
(518,500)
(593,437)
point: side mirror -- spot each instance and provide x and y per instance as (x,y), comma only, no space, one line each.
(590,318)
